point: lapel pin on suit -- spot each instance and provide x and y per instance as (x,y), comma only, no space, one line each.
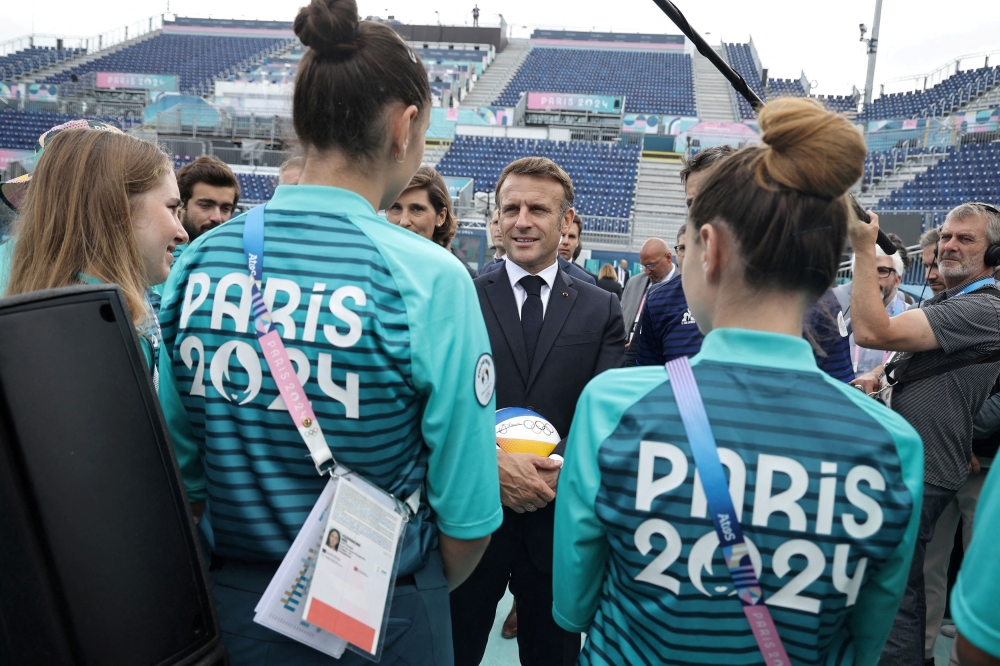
(565,293)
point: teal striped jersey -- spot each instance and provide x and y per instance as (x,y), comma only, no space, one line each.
(827,484)
(388,340)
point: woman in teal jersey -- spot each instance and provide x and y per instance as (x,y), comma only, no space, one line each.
(102,207)
(386,336)
(825,482)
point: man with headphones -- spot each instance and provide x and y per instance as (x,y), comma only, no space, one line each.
(945,365)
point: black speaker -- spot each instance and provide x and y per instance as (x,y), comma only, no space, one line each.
(99,562)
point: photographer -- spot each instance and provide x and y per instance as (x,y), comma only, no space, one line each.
(939,382)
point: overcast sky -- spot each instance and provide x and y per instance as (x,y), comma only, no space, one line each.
(820,38)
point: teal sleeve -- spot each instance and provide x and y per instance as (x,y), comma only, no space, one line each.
(871,617)
(580,545)
(185,446)
(974,599)
(448,342)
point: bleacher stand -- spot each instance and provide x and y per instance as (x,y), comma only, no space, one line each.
(839,103)
(20,130)
(937,100)
(784,88)
(740,57)
(969,173)
(26,61)
(603,175)
(256,188)
(652,82)
(197,59)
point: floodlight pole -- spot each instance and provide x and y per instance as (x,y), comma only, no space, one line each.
(872,51)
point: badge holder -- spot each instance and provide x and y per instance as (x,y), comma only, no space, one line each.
(330,592)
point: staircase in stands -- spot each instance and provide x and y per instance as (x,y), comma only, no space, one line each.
(497,75)
(658,209)
(712,92)
(433,153)
(41,74)
(908,171)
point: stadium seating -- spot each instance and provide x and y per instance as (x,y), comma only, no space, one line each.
(937,100)
(740,57)
(651,82)
(30,60)
(256,188)
(197,59)
(603,176)
(785,88)
(969,173)
(20,131)
(839,103)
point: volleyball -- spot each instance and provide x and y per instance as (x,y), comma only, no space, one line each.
(523,431)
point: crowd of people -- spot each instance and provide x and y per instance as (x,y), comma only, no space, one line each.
(728,403)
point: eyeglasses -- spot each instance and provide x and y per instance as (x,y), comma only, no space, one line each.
(679,249)
(653,265)
(885,271)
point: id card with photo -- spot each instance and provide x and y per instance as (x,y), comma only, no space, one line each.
(355,571)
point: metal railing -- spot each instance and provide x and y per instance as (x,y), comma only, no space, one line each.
(182,121)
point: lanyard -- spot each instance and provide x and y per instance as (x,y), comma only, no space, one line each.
(720,506)
(275,353)
(978,284)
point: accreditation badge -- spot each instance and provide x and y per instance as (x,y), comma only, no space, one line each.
(355,574)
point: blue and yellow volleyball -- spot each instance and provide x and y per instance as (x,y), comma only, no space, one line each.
(523,431)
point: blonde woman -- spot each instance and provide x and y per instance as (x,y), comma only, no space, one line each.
(607,280)
(101,208)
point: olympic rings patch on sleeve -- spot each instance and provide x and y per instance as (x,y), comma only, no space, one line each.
(486,379)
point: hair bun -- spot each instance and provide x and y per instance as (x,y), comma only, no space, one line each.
(329,27)
(810,149)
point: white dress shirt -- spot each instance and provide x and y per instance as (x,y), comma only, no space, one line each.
(515,273)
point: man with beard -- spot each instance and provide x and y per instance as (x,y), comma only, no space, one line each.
(946,369)
(209,194)
(890,274)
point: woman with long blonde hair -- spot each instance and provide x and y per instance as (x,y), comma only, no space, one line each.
(101,208)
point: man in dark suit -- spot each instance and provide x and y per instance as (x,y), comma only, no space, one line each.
(499,252)
(623,273)
(551,334)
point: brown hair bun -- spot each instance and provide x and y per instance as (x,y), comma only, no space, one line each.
(810,149)
(329,27)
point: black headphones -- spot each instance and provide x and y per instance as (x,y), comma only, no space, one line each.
(991,258)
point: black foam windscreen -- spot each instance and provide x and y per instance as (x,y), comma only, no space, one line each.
(98,552)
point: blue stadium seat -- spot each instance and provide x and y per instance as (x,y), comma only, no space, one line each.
(26,61)
(969,173)
(20,131)
(197,59)
(652,82)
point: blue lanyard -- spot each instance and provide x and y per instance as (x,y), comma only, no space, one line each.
(720,506)
(978,284)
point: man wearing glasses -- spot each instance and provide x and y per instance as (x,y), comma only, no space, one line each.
(890,274)
(657,270)
(945,371)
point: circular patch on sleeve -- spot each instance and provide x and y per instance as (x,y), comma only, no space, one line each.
(486,379)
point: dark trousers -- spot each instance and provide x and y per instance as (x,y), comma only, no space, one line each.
(905,646)
(418,631)
(540,641)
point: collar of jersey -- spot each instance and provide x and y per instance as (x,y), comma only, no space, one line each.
(745,347)
(319,198)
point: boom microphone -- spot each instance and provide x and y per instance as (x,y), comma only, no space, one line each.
(740,85)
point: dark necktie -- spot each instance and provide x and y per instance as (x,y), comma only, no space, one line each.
(531,313)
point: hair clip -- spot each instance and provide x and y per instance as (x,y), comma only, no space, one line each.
(413,58)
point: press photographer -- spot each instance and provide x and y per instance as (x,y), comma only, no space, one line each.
(944,370)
